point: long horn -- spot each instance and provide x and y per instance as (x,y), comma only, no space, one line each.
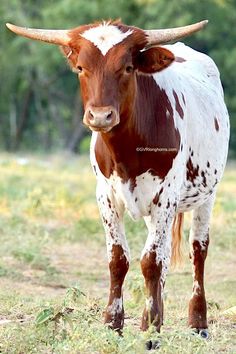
(60,37)
(162,36)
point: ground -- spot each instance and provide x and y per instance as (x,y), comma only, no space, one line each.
(54,275)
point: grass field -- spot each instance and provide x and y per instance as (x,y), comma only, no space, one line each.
(54,273)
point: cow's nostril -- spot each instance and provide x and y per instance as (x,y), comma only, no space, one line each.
(91,114)
(109,116)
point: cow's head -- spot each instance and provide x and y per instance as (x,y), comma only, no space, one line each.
(107,58)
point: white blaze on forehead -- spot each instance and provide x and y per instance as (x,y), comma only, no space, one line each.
(105,36)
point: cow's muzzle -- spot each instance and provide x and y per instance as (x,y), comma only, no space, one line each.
(101,118)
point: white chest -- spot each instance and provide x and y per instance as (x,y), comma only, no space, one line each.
(136,195)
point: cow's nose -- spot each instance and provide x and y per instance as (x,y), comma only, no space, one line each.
(96,117)
(101,118)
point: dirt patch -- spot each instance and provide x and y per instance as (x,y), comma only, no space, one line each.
(85,264)
(79,264)
(29,288)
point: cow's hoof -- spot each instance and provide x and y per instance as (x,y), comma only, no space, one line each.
(116,329)
(203,332)
(152,345)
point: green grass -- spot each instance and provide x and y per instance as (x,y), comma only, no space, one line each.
(54,274)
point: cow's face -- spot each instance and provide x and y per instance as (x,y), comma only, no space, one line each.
(107,59)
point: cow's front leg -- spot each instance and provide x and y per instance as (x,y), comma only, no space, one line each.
(155,261)
(118,265)
(152,272)
(118,256)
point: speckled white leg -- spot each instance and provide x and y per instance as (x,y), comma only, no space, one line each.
(155,261)
(199,240)
(118,254)
(200,222)
(159,240)
(112,218)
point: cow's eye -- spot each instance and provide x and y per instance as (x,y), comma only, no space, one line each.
(80,69)
(129,69)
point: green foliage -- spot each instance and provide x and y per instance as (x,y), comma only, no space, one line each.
(84,145)
(45,316)
(39,104)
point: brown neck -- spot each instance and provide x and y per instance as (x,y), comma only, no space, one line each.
(126,148)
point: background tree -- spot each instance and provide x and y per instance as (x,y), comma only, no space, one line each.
(40,105)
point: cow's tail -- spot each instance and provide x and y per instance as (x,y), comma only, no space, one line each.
(177,229)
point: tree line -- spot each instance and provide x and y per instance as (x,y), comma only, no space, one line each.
(40,105)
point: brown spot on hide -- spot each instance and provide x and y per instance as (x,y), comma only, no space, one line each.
(178,107)
(109,202)
(194,195)
(118,269)
(216,181)
(152,273)
(157,196)
(197,304)
(192,172)
(216,124)
(95,170)
(204,183)
(133,184)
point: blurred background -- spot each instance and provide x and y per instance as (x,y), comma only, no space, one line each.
(40,105)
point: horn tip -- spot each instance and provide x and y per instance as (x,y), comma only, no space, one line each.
(204,23)
(11,27)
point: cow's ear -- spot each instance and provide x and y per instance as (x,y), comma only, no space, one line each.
(154,59)
(71,56)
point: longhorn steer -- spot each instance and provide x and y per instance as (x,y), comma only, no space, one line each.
(159,148)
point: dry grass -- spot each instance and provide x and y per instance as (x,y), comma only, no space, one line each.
(53,258)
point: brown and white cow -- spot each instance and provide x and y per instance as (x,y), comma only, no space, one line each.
(159,147)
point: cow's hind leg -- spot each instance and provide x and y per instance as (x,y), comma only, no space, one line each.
(118,256)
(199,240)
